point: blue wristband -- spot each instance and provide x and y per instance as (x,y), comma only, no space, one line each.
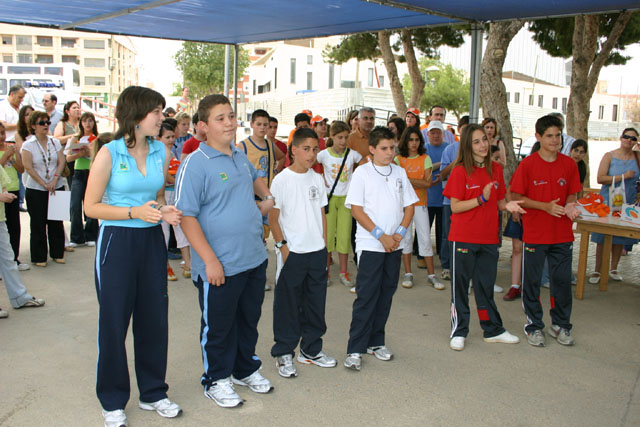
(377,232)
(483,199)
(401,231)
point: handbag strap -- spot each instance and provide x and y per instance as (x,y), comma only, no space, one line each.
(335,182)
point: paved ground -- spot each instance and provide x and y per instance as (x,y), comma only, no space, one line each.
(47,360)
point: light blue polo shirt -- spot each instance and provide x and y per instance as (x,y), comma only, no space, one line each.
(127,186)
(448,156)
(217,190)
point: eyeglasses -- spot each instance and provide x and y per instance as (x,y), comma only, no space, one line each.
(43,123)
(631,137)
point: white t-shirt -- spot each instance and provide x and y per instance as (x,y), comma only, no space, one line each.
(8,115)
(383,199)
(300,199)
(331,162)
(42,160)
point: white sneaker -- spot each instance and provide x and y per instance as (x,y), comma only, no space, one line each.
(23,267)
(285,366)
(256,383)
(353,361)
(497,289)
(380,352)
(352,290)
(91,243)
(504,338)
(164,407)
(267,287)
(457,343)
(321,359)
(75,245)
(407,281)
(115,418)
(223,393)
(437,284)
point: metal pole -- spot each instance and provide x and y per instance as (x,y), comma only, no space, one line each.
(236,53)
(226,70)
(476,63)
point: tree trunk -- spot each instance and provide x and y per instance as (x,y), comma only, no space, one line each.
(392,72)
(492,90)
(417,82)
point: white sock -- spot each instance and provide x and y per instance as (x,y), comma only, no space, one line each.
(515,286)
(432,275)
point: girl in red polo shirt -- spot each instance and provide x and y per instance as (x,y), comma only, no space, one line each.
(477,190)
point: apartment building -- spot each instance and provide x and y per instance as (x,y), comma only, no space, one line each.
(107,64)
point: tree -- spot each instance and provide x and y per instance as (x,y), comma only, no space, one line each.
(493,92)
(202,67)
(448,87)
(374,46)
(593,41)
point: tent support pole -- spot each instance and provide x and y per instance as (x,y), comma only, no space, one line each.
(226,70)
(476,65)
(236,53)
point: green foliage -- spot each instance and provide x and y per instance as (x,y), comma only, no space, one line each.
(360,46)
(555,36)
(202,67)
(448,87)
(428,40)
(177,89)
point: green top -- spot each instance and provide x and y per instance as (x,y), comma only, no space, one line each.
(12,173)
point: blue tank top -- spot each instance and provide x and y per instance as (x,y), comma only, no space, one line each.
(127,186)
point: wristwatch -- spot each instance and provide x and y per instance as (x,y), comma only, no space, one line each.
(281,244)
(270,198)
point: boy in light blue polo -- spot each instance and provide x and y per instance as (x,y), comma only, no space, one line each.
(215,190)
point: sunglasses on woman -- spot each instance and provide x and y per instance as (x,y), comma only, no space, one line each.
(631,137)
(43,123)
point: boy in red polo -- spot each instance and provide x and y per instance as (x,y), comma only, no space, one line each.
(548,182)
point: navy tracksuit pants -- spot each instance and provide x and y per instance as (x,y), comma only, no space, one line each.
(559,256)
(299,302)
(229,324)
(477,262)
(131,280)
(376,283)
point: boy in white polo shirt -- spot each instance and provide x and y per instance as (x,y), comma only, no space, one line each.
(299,228)
(381,199)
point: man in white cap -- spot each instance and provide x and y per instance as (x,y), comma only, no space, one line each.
(438,113)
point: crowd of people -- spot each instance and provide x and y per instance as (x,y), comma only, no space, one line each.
(345,186)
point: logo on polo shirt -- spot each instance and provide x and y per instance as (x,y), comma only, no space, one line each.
(495,184)
(529,249)
(462,250)
(399,185)
(537,182)
(471,187)
(314,193)
(124,167)
(224,176)
(562,182)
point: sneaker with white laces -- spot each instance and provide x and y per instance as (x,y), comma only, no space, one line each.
(353,361)
(562,335)
(285,366)
(437,284)
(381,352)
(407,281)
(321,359)
(115,418)
(497,289)
(504,338)
(345,280)
(536,338)
(23,267)
(223,393)
(446,274)
(164,407)
(256,383)
(457,343)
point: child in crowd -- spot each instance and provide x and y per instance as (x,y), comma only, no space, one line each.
(215,189)
(476,189)
(337,157)
(495,153)
(182,133)
(417,164)
(381,200)
(548,182)
(167,137)
(193,143)
(271,136)
(300,230)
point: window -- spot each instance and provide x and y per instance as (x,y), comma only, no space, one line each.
(554,103)
(3,87)
(94,44)
(25,58)
(531,99)
(516,97)
(23,70)
(309,59)
(540,101)
(254,87)
(614,115)
(292,79)
(7,40)
(381,80)
(44,59)
(44,41)
(564,105)
(601,112)
(508,96)
(68,42)
(23,42)
(94,62)
(53,70)
(309,80)
(275,78)
(7,57)
(370,77)
(331,75)
(264,88)
(348,84)
(70,59)
(94,81)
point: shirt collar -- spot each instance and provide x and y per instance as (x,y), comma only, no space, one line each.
(211,152)
(121,146)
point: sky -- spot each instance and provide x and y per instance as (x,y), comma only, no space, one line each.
(155,58)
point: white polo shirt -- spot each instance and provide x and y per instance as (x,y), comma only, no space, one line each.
(8,114)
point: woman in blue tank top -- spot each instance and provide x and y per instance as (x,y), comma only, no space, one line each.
(131,256)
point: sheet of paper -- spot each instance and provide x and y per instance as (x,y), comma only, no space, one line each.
(59,205)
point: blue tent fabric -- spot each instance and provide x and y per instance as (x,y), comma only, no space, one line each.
(248,21)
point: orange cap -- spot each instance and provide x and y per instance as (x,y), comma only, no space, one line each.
(308,113)
(317,119)
(414,111)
